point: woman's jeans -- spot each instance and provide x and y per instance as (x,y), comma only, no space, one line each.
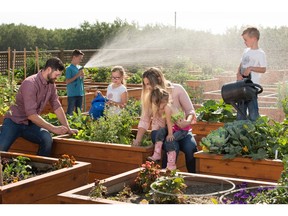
(186,145)
(10,131)
(73,104)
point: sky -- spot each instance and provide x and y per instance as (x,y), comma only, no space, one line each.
(209,15)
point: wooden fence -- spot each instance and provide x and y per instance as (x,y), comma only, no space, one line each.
(6,57)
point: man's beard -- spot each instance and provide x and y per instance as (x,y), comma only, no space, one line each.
(51,80)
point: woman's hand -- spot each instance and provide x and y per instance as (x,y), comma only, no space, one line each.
(136,142)
(182,123)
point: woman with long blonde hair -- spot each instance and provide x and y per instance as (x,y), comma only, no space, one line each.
(178,96)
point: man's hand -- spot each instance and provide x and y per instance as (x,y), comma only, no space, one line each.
(72,131)
(59,130)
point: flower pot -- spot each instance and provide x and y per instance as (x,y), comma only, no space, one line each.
(45,187)
(239,167)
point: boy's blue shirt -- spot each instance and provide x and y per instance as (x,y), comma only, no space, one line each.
(76,87)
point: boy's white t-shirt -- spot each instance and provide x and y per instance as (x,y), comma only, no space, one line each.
(253,58)
(114,94)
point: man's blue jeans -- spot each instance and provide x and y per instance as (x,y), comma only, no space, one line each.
(251,106)
(10,131)
(73,104)
(186,145)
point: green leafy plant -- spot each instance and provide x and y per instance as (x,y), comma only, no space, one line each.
(8,90)
(110,128)
(258,140)
(275,195)
(177,116)
(77,120)
(263,194)
(102,74)
(98,190)
(213,111)
(61,92)
(16,170)
(169,190)
(135,78)
(196,95)
(285,105)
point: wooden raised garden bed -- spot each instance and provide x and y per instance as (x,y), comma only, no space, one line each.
(116,183)
(64,102)
(106,159)
(265,170)
(205,85)
(202,129)
(45,187)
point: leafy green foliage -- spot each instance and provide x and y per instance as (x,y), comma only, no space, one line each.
(169,190)
(8,92)
(98,190)
(76,121)
(61,92)
(274,195)
(16,170)
(178,116)
(258,140)
(102,74)
(135,78)
(213,111)
(110,128)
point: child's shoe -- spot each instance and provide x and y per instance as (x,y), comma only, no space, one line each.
(157,153)
(171,160)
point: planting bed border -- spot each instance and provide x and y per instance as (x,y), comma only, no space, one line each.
(45,187)
(115,183)
(107,159)
(213,164)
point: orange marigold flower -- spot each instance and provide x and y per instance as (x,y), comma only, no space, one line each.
(245,149)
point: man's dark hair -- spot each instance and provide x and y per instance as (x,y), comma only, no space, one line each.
(77,52)
(55,63)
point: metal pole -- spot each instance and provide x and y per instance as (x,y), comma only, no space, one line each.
(175,21)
